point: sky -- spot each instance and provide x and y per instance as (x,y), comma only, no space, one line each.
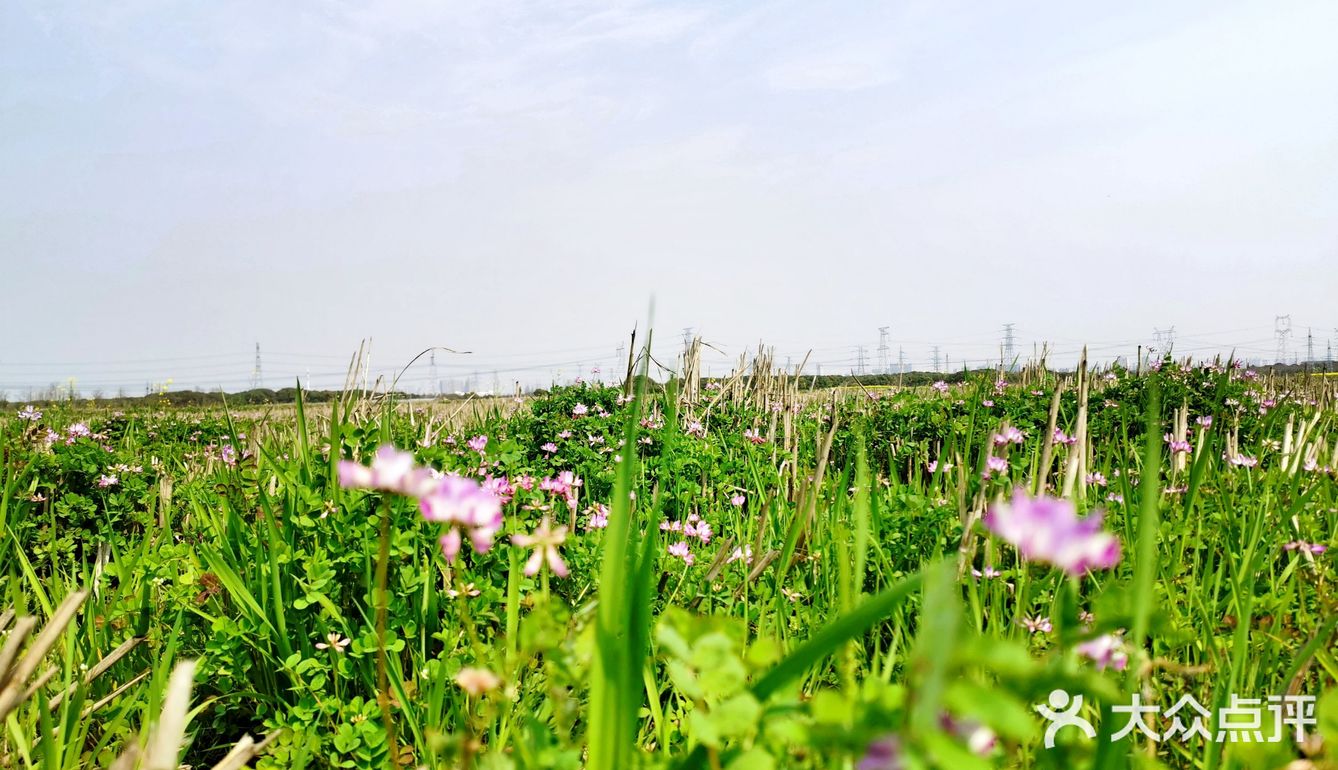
(528,181)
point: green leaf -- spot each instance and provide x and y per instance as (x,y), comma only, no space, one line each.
(752,759)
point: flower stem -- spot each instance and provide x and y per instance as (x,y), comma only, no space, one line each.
(381,596)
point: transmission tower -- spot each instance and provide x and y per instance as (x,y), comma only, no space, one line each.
(883,350)
(1008,346)
(256,378)
(432,372)
(1165,339)
(901,360)
(936,358)
(1282,328)
(859,360)
(1309,345)
(687,337)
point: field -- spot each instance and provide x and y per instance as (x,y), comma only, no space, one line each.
(742,573)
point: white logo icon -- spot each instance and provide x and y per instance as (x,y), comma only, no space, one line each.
(1060,717)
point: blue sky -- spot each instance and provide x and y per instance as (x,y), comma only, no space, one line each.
(520,179)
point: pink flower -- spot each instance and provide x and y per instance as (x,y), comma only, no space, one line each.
(477,681)
(1037,625)
(695,428)
(566,434)
(391,471)
(500,488)
(987,573)
(30,414)
(940,386)
(1204,421)
(1106,651)
(478,443)
(599,517)
(1009,435)
(682,551)
(987,403)
(1097,478)
(545,541)
(737,501)
(458,502)
(882,754)
(994,466)
(579,410)
(1046,529)
(462,504)
(105,481)
(754,436)
(744,554)
(1298,545)
(1176,446)
(1244,461)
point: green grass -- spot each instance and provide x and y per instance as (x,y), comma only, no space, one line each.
(858,619)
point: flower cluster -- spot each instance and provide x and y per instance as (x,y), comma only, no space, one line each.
(1047,529)
(458,502)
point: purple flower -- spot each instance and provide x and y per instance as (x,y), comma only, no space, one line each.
(1298,545)
(579,410)
(1063,438)
(1244,461)
(462,504)
(1009,435)
(882,754)
(550,447)
(1106,651)
(1204,421)
(1046,529)
(458,502)
(599,517)
(391,471)
(105,481)
(682,551)
(478,443)
(30,414)
(940,386)
(1037,625)
(737,501)
(994,466)
(1177,446)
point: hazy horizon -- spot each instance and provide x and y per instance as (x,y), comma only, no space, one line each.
(522,180)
